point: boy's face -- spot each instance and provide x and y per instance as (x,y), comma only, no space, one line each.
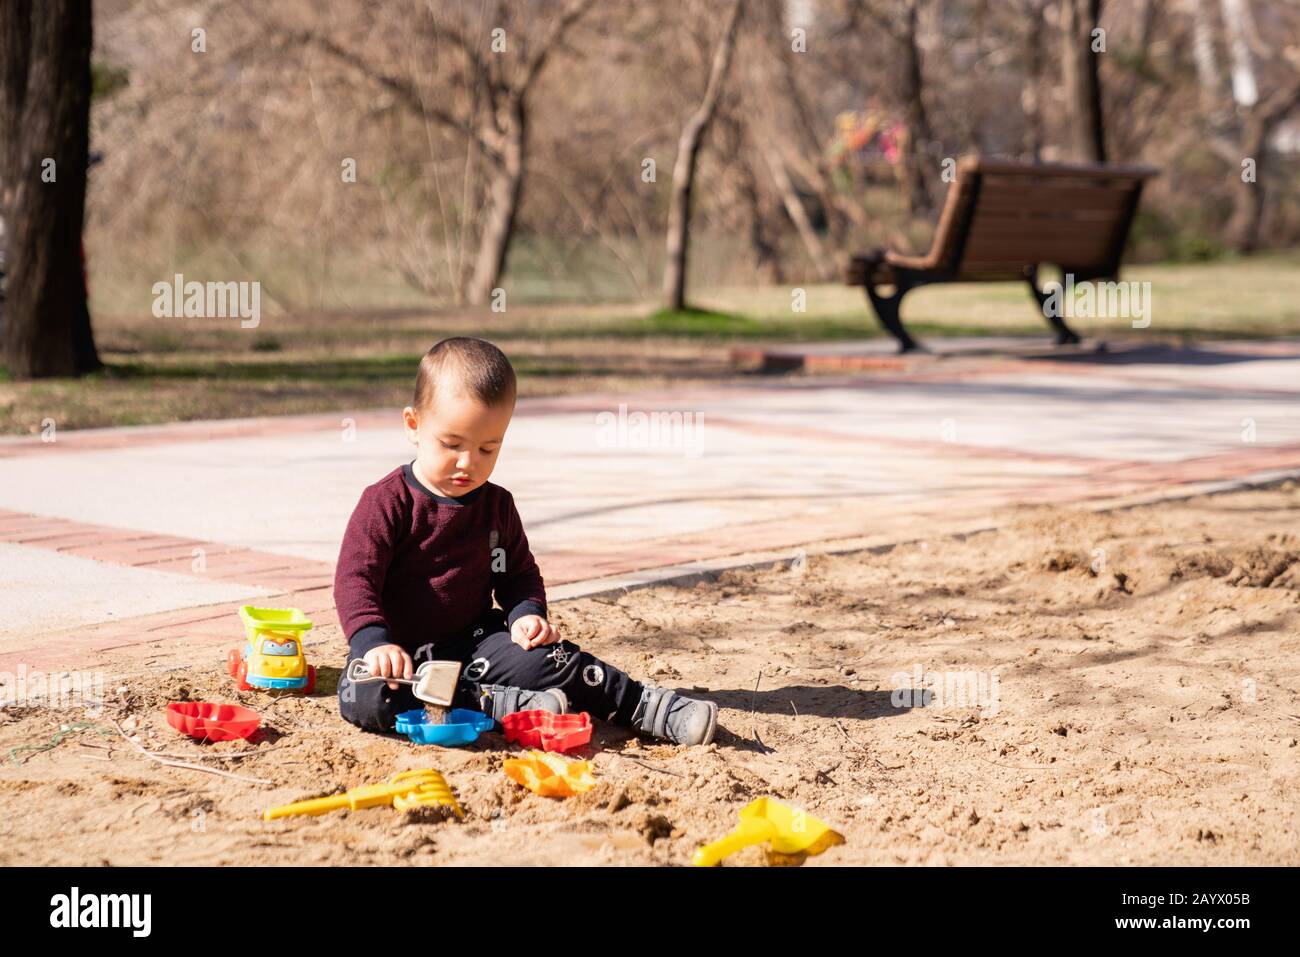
(457,440)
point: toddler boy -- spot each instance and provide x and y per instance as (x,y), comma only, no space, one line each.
(432,543)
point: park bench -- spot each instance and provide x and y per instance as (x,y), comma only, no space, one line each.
(1003,220)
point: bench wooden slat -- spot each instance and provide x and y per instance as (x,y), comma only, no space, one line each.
(1001,195)
(993,166)
(992,230)
(1030,243)
(1009,215)
(1017,265)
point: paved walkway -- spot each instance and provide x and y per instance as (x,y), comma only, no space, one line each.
(123,539)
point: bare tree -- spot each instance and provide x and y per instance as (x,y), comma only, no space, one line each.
(1078,20)
(1259,117)
(688,148)
(784,133)
(919,134)
(44,143)
(899,22)
(1257,126)
(1033,19)
(1256,116)
(495,70)
(1203,53)
(750,202)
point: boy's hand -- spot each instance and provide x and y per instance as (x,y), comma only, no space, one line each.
(533,631)
(389,661)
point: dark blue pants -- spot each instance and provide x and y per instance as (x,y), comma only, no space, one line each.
(489,656)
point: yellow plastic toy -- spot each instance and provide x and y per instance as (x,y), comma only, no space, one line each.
(404,790)
(272,656)
(272,619)
(790,831)
(550,775)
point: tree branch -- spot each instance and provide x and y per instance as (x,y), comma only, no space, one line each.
(403,89)
(559,27)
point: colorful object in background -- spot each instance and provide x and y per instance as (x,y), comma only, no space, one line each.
(550,732)
(549,774)
(789,830)
(462,726)
(272,656)
(867,137)
(405,790)
(213,722)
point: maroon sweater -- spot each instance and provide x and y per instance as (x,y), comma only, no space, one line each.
(417,567)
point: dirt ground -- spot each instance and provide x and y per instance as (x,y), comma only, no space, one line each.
(1145,711)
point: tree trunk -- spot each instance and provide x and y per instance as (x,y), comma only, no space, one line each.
(1243,230)
(44,116)
(1245,90)
(1031,100)
(1082,83)
(504,193)
(737,140)
(812,243)
(794,126)
(679,212)
(1204,56)
(1257,120)
(919,135)
(1258,123)
(688,148)
(762,242)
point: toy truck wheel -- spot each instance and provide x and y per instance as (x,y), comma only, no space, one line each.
(241,677)
(311,680)
(232,662)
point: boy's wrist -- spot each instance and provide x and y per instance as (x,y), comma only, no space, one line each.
(368,638)
(525,608)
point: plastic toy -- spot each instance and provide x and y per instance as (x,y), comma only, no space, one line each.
(461,727)
(404,790)
(213,722)
(272,619)
(272,656)
(434,682)
(550,732)
(789,830)
(549,774)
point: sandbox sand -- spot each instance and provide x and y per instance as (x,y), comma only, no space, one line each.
(1145,711)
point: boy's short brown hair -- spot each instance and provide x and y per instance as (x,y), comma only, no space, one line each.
(475,366)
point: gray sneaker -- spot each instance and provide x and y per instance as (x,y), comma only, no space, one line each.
(498,701)
(681,720)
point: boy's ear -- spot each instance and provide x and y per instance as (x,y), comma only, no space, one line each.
(411,419)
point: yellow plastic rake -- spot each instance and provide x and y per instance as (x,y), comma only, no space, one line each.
(406,789)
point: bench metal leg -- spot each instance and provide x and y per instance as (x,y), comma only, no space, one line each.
(886,308)
(1065,336)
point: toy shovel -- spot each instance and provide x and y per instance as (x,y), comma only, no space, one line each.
(434,682)
(790,831)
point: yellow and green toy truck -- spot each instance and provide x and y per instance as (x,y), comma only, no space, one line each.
(272,656)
